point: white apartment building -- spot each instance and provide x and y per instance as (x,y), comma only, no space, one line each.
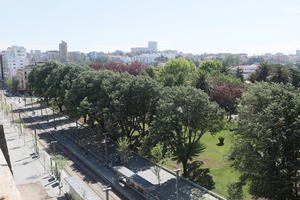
(14,58)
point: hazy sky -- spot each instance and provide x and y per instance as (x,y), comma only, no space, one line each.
(196,26)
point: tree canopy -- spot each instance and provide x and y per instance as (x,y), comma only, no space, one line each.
(184,114)
(178,72)
(267,143)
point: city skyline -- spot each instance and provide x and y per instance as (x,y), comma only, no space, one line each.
(253,27)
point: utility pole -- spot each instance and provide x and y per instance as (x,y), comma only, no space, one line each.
(177,183)
(106,190)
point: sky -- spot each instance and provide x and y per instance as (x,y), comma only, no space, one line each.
(190,26)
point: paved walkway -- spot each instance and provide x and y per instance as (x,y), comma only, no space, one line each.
(31,179)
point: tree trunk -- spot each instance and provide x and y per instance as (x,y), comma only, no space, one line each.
(60,107)
(84,119)
(184,168)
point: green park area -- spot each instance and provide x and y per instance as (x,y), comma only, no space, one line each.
(215,158)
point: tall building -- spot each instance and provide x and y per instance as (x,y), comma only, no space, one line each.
(297,52)
(14,58)
(152,46)
(63,51)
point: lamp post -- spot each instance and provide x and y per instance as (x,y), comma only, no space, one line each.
(32,106)
(106,190)
(54,147)
(20,123)
(35,143)
(106,150)
(12,114)
(177,183)
(54,119)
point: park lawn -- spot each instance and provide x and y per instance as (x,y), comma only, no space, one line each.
(215,158)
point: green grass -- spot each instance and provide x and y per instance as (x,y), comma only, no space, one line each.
(215,158)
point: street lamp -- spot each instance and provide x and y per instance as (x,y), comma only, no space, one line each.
(12,114)
(177,180)
(32,106)
(54,147)
(106,190)
(106,150)
(35,143)
(54,120)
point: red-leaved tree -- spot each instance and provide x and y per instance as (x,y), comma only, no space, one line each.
(133,68)
(226,96)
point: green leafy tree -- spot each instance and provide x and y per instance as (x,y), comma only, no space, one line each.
(267,145)
(212,66)
(60,80)
(102,59)
(133,102)
(157,156)
(231,60)
(184,114)
(37,79)
(124,149)
(200,175)
(178,72)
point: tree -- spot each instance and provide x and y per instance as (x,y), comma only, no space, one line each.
(267,145)
(133,68)
(262,73)
(235,191)
(202,80)
(226,95)
(102,59)
(200,175)
(60,80)
(212,66)
(184,114)
(231,60)
(86,93)
(123,149)
(157,156)
(37,79)
(178,72)
(239,74)
(133,102)
(151,71)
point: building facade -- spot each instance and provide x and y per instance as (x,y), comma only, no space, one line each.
(22,77)
(63,51)
(14,58)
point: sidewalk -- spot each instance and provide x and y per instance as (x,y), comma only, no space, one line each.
(31,179)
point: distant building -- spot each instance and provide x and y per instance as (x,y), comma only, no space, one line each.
(22,77)
(14,58)
(51,56)
(298,53)
(63,51)
(246,69)
(36,55)
(152,46)
(75,56)
(94,55)
(1,68)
